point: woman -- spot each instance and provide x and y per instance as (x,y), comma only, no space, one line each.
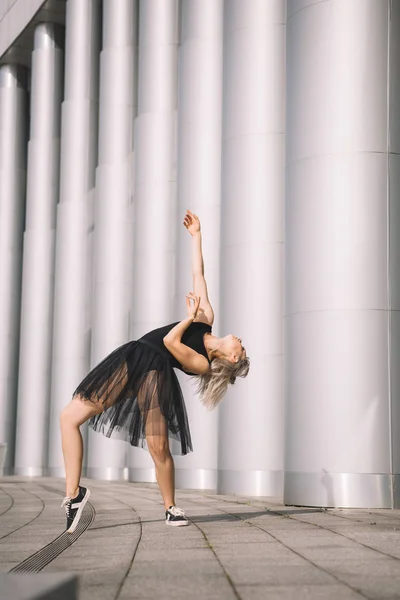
(134,393)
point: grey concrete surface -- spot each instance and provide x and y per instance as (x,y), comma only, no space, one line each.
(38,586)
(235,548)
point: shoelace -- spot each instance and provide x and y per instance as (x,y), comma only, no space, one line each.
(67,502)
(177,512)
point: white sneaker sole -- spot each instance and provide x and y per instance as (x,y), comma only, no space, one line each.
(177,523)
(79,513)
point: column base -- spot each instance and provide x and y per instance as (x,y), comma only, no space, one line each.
(142,475)
(196,479)
(185,479)
(251,483)
(108,473)
(30,471)
(57,472)
(344,490)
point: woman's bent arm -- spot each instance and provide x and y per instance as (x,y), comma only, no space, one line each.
(190,360)
(176,333)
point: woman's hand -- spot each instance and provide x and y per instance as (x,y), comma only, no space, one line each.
(192,309)
(192,223)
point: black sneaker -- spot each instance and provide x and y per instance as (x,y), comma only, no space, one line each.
(175,516)
(74,508)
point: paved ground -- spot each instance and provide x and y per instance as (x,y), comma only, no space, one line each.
(235,548)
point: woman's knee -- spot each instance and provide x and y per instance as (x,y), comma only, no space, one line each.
(159,448)
(78,411)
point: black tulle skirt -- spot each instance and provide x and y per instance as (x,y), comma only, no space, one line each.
(140,394)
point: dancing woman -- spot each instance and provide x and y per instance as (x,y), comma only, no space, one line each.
(134,392)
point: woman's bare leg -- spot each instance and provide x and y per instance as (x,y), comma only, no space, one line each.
(165,468)
(72,417)
(157,437)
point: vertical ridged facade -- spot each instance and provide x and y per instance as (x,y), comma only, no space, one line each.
(39,250)
(112,212)
(74,257)
(253,162)
(278,123)
(13,151)
(342,292)
(155,205)
(199,189)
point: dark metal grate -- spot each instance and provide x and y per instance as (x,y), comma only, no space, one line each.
(45,555)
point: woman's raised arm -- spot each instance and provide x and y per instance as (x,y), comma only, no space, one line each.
(192,224)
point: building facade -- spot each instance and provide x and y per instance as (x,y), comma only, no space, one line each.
(277,123)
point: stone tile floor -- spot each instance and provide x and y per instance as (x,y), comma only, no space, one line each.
(235,548)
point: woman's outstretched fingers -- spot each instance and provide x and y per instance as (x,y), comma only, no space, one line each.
(192,223)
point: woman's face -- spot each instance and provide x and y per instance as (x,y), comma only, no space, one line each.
(234,346)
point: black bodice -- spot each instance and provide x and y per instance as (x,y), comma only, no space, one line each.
(192,337)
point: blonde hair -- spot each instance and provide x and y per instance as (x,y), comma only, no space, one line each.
(212,386)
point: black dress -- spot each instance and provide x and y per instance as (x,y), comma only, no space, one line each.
(139,389)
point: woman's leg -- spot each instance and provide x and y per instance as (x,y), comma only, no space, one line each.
(157,437)
(72,417)
(165,469)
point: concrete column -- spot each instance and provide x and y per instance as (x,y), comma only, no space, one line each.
(155,207)
(111,301)
(13,138)
(342,282)
(72,299)
(393,216)
(199,189)
(251,415)
(39,247)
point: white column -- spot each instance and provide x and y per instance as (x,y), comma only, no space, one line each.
(113,263)
(251,416)
(71,336)
(394,246)
(342,296)
(39,246)
(13,138)
(199,189)
(155,207)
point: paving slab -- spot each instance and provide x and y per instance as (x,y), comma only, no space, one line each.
(235,548)
(298,592)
